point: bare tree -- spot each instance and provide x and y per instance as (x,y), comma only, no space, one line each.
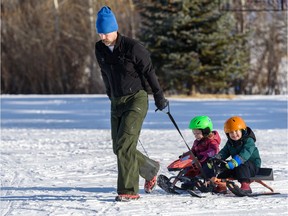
(268,50)
(48,46)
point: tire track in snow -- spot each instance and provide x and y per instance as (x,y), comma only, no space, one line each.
(14,182)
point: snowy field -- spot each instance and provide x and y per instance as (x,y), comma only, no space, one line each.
(56,156)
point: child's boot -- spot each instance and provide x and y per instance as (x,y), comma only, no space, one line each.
(245,186)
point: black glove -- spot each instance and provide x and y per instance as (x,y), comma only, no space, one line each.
(160,101)
(212,160)
(162,104)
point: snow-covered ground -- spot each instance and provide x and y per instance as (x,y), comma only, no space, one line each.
(56,156)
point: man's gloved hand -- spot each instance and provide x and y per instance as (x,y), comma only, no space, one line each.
(160,101)
(234,162)
(161,104)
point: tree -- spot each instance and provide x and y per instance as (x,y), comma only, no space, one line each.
(266,22)
(195,47)
(268,51)
(47,47)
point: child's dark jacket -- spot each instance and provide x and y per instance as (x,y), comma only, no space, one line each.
(245,148)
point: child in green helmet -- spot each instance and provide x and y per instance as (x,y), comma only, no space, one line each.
(206,145)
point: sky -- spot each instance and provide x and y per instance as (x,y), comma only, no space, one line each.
(57,159)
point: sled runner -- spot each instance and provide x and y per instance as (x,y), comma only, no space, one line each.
(174,184)
(164,183)
(171,185)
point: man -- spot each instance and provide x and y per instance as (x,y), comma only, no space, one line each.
(126,67)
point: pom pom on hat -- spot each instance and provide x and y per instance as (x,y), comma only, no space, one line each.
(106,21)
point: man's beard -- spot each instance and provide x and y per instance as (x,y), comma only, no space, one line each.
(107,42)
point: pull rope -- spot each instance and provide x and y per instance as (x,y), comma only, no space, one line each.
(195,159)
(143,148)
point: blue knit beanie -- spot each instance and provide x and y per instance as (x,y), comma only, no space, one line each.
(106,21)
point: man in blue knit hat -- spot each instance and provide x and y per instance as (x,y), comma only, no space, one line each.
(126,67)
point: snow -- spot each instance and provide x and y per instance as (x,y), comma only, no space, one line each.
(56,155)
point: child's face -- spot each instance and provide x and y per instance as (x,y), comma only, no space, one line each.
(235,135)
(198,134)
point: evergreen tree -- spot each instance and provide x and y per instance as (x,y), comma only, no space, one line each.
(194,46)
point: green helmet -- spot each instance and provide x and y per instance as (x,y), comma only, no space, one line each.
(201,123)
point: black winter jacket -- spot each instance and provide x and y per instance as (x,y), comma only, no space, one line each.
(125,70)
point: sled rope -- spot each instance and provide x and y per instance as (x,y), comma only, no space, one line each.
(193,156)
(143,148)
(265,185)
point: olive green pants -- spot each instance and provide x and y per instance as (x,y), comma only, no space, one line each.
(127,116)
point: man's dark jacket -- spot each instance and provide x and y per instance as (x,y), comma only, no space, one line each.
(125,70)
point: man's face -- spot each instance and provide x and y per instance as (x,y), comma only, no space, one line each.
(109,39)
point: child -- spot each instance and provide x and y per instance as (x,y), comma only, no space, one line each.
(246,161)
(206,145)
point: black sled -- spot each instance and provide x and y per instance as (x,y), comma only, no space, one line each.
(218,166)
(174,184)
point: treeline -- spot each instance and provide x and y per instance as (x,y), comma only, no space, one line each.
(47,47)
